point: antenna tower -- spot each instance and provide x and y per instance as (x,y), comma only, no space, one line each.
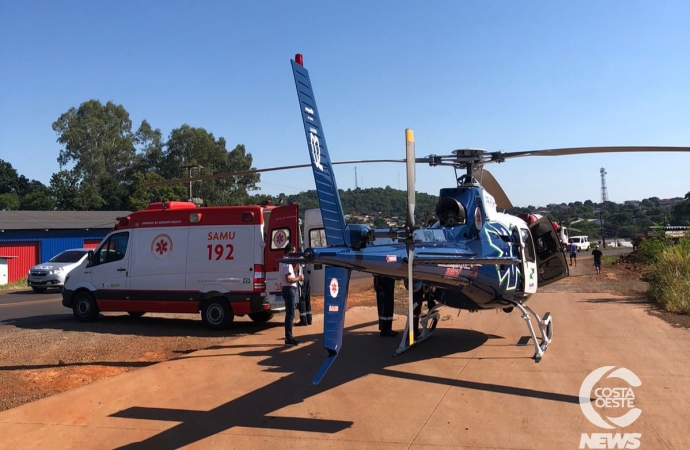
(604,191)
(356,185)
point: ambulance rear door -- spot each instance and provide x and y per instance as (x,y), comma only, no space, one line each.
(282,227)
(315,236)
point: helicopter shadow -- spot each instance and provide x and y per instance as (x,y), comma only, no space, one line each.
(366,354)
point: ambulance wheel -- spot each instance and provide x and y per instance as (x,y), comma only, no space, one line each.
(85,308)
(136,313)
(261,317)
(216,313)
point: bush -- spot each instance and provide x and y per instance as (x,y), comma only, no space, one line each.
(651,249)
(669,277)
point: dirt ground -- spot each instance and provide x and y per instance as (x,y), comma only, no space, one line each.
(42,361)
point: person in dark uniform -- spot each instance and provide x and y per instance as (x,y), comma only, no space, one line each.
(304,303)
(385,289)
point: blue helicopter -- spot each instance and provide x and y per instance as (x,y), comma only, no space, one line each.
(469,256)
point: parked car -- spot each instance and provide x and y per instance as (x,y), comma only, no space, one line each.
(52,274)
(582,242)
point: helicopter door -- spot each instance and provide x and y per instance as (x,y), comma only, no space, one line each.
(551,263)
(529,262)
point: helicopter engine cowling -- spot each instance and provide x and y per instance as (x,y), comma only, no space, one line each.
(450,212)
(359,235)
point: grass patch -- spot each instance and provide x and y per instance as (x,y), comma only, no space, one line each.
(611,259)
(19,284)
(669,277)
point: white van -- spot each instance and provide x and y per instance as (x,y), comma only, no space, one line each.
(175,257)
(582,242)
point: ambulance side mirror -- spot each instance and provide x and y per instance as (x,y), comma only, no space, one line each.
(89,258)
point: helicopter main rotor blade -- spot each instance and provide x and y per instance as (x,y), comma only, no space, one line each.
(491,185)
(269,169)
(499,156)
(410,162)
(410,225)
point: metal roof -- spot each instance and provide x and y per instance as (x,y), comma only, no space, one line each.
(59,220)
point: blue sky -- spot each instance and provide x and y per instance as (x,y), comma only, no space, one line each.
(498,75)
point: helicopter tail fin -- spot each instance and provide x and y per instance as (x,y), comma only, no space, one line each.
(326,188)
(335,302)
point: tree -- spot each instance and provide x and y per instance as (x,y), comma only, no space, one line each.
(38,199)
(99,143)
(98,139)
(150,145)
(9,201)
(20,192)
(71,194)
(8,178)
(680,212)
(188,147)
(141,196)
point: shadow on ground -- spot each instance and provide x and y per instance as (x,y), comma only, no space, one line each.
(365,354)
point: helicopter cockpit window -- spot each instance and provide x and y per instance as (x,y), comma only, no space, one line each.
(450,212)
(528,244)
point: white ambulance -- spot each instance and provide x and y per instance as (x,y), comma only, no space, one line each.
(175,257)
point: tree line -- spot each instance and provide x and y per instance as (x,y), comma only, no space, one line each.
(105,164)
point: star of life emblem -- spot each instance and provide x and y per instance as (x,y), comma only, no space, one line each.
(334,288)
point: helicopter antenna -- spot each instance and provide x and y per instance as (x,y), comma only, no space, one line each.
(604,191)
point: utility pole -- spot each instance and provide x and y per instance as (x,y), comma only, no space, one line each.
(601,224)
(356,185)
(189,175)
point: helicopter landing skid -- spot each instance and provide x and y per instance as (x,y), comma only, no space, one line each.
(545,327)
(428,322)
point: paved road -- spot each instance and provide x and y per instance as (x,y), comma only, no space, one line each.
(31,308)
(468,387)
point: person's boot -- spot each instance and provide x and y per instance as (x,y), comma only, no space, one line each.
(386,329)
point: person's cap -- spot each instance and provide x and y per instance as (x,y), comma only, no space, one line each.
(596,246)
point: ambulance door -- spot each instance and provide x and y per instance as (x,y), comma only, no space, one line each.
(282,228)
(110,267)
(314,236)
(551,263)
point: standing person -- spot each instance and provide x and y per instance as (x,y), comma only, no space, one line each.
(573,253)
(289,291)
(305,303)
(385,290)
(597,258)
